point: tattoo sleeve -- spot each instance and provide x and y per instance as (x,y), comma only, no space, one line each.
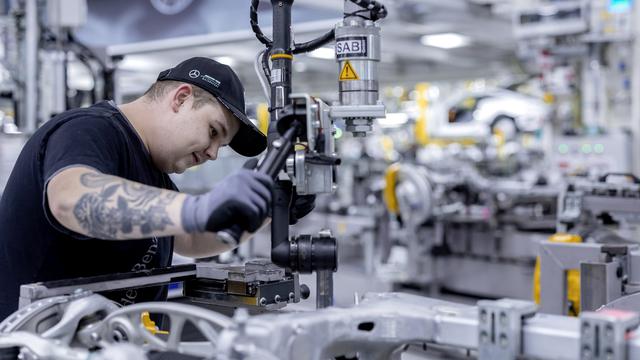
(121,207)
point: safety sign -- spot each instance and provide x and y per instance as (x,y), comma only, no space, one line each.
(348,73)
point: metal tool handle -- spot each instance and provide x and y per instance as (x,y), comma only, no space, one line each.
(270,165)
(230,236)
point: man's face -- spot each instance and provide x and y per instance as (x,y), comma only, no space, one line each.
(194,136)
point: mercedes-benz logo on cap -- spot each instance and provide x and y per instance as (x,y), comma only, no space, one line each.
(194,73)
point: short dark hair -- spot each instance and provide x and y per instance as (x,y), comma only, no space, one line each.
(160,88)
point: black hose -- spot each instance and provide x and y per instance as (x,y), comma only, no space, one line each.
(378,11)
(315,43)
(253,20)
(265,64)
(84,59)
(85,49)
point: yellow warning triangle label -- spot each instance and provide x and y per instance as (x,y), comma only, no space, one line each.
(348,73)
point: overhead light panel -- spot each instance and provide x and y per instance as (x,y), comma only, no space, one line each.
(138,63)
(445,41)
(227,60)
(323,53)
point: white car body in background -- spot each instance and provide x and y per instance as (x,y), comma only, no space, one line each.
(475,114)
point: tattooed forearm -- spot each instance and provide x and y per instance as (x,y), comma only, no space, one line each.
(121,207)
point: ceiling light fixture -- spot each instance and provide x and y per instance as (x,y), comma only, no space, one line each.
(323,53)
(445,41)
(227,60)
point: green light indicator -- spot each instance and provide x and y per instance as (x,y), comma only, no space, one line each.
(598,148)
(338,133)
(563,148)
(586,148)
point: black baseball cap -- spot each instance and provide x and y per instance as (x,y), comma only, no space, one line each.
(223,83)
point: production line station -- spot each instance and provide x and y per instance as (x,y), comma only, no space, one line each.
(319,179)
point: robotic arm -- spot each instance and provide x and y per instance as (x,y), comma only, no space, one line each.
(300,118)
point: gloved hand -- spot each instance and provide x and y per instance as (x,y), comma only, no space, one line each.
(242,198)
(301,206)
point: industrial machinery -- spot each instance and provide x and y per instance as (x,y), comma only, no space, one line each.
(297,119)
(602,216)
(470,223)
(258,284)
(54,308)
(301,119)
(583,52)
(41,52)
(378,326)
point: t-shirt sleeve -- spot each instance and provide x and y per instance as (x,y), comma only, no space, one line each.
(92,142)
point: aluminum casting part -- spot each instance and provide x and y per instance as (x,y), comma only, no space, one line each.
(381,323)
(375,328)
(78,310)
(33,316)
(37,347)
(126,323)
(18,320)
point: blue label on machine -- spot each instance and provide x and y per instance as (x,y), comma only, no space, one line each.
(351,46)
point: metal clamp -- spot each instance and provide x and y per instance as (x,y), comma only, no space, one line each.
(603,333)
(500,327)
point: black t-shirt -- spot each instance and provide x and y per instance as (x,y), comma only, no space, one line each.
(34,246)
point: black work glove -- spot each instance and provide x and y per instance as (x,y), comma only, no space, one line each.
(301,205)
(242,198)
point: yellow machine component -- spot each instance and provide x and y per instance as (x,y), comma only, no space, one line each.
(262,114)
(422,101)
(389,192)
(445,142)
(150,325)
(500,140)
(282,56)
(387,148)
(573,276)
(548,98)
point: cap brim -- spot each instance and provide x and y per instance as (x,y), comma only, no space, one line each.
(249,141)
